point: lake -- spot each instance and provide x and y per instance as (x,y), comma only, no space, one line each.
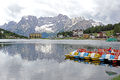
(41,59)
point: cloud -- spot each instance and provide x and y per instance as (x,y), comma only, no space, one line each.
(14,10)
(16,68)
(106,11)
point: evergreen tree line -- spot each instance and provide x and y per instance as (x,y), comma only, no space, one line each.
(115,27)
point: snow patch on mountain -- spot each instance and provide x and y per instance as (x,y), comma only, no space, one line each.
(44,28)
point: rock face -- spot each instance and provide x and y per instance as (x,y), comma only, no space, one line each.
(48,26)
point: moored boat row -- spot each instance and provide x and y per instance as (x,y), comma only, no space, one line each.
(101,54)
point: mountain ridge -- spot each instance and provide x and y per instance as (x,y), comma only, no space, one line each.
(49,25)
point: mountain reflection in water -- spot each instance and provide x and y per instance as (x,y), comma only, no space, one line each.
(42,51)
(37,61)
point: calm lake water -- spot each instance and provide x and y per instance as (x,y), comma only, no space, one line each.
(45,60)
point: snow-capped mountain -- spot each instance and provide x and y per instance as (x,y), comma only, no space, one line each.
(48,25)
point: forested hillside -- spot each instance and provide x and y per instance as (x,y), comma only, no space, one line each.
(115,28)
(9,35)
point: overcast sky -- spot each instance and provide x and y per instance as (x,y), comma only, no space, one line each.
(106,11)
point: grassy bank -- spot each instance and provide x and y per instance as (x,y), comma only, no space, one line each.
(116,78)
(108,33)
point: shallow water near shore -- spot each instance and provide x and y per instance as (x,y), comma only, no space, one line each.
(39,59)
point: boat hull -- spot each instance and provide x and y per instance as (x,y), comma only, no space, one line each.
(81,57)
(101,59)
(67,56)
(87,58)
(76,57)
(95,59)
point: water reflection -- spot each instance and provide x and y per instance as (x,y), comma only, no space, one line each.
(37,61)
(100,63)
(41,51)
(15,68)
(34,51)
(44,48)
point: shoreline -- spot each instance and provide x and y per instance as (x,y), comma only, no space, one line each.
(55,41)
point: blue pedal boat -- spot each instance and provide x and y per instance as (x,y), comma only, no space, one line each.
(102,58)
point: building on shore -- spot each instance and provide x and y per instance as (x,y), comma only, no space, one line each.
(101,35)
(77,33)
(35,35)
(86,36)
(118,35)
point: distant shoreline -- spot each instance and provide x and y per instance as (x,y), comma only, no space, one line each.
(78,39)
(51,39)
(19,40)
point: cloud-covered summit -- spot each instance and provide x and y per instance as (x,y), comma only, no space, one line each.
(106,11)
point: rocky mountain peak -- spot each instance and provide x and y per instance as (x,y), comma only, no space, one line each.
(29,17)
(11,23)
(61,16)
(48,25)
(77,19)
(31,20)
